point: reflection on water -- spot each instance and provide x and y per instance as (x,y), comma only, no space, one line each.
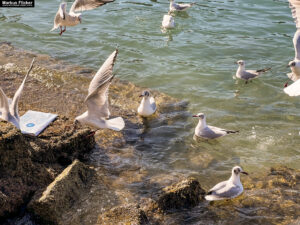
(194,62)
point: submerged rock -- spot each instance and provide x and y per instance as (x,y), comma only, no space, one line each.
(126,214)
(50,204)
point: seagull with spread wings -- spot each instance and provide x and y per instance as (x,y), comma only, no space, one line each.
(8,107)
(65,19)
(97,99)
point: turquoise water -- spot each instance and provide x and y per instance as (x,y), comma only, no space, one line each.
(195,62)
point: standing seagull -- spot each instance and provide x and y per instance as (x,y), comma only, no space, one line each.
(8,107)
(64,19)
(248,74)
(147,106)
(97,99)
(179,7)
(209,132)
(227,189)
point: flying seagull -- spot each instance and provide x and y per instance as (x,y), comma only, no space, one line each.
(97,100)
(227,189)
(64,19)
(8,107)
(179,6)
(295,64)
(248,74)
(209,132)
(147,106)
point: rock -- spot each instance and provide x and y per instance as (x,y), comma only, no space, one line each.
(184,194)
(30,163)
(50,204)
(126,214)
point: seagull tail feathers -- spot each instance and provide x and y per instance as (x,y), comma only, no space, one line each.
(263,70)
(116,124)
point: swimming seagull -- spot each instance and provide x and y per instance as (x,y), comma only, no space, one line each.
(209,132)
(248,74)
(64,19)
(8,107)
(97,99)
(147,106)
(227,189)
(168,21)
(179,7)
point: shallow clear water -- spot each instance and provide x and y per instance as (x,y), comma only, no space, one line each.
(194,61)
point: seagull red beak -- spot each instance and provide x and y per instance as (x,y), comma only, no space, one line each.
(245,173)
(141,96)
(195,116)
(286,84)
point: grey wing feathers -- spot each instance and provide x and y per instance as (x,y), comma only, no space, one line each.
(82,5)
(97,99)
(231,192)
(3,104)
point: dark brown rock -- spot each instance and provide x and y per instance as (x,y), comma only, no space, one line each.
(49,204)
(126,214)
(184,194)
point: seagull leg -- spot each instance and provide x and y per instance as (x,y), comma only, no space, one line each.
(64,29)
(60,30)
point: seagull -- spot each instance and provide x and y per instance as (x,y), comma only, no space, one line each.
(179,7)
(295,68)
(64,19)
(97,100)
(209,132)
(230,188)
(8,107)
(168,21)
(248,74)
(147,106)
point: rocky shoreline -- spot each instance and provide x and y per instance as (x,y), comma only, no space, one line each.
(54,179)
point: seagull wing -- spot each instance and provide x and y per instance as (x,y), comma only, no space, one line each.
(83,5)
(217,187)
(293,89)
(153,104)
(295,9)
(97,99)
(4,106)
(228,192)
(13,107)
(61,14)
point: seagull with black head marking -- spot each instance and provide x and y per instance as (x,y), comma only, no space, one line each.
(97,100)
(247,75)
(228,189)
(147,106)
(65,19)
(209,132)
(179,6)
(9,108)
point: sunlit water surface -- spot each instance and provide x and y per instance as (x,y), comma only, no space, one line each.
(195,62)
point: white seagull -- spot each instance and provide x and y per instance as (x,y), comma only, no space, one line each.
(8,107)
(64,19)
(168,21)
(209,132)
(147,106)
(97,99)
(294,89)
(227,189)
(179,7)
(248,74)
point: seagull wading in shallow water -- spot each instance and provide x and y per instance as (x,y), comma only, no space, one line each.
(97,99)
(209,132)
(9,108)
(168,21)
(294,89)
(227,189)
(179,7)
(147,106)
(64,19)
(248,74)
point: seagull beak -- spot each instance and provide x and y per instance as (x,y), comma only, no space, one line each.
(195,116)
(245,173)
(286,84)
(141,96)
